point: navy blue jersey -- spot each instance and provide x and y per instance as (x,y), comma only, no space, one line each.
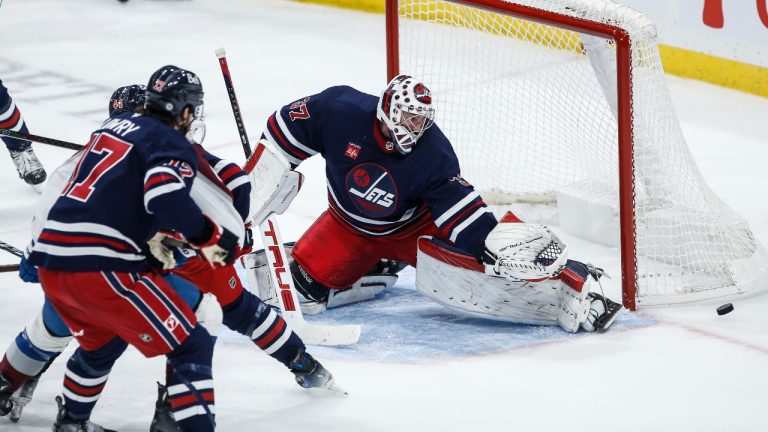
(371,186)
(132,179)
(236,181)
(10,118)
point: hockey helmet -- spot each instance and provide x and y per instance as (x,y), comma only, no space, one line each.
(405,107)
(126,99)
(171,89)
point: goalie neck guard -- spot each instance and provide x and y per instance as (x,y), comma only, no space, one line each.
(405,107)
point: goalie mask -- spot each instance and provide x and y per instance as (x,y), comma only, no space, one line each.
(405,107)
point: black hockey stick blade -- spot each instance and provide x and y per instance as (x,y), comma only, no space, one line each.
(40,139)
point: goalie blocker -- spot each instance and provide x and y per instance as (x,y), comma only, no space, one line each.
(457,281)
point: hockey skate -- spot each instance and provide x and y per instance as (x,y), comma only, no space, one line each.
(66,424)
(29,167)
(602,313)
(22,397)
(163,420)
(6,405)
(311,374)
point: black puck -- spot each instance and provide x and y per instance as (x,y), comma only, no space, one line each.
(724,309)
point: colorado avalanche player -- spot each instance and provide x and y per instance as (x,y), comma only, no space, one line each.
(133,177)
(394,178)
(29,167)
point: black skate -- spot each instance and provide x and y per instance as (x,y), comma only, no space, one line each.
(6,405)
(602,313)
(66,424)
(163,420)
(311,374)
(29,167)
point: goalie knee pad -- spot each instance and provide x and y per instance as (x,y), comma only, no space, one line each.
(307,286)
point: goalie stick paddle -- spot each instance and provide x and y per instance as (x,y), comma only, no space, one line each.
(40,139)
(279,274)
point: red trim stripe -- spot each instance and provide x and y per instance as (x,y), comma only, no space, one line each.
(447,228)
(11,122)
(159,178)
(228,172)
(283,141)
(264,341)
(190,399)
(51,237)
(456,259)
(76,388)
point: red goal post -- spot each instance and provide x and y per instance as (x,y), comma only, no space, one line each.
(675,265)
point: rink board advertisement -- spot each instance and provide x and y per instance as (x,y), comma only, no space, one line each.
(718,41)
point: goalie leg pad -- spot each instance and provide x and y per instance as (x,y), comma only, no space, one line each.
(364,289)
(457,281)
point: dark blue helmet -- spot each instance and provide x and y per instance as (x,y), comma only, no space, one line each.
(171,89)
(126,99)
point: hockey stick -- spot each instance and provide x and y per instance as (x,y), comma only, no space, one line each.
(40,139)
(280,276)
(12,250)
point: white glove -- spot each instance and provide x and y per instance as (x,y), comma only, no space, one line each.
(160,252)
(521,251)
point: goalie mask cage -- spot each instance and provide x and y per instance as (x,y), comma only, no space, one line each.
(544,99)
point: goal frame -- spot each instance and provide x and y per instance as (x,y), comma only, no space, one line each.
(622,41)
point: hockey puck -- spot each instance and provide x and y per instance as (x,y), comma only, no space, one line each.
(724,309)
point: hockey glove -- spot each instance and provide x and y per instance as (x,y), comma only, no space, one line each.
(28,272)
(160,252)
(216,244)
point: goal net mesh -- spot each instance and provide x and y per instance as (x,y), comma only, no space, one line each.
(531,110)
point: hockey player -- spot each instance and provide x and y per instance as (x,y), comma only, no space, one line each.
(133,177)
(41,341)
(29,167)
(393,177)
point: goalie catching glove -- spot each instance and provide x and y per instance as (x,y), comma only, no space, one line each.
(521,251)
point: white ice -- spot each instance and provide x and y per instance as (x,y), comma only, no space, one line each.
(663,369)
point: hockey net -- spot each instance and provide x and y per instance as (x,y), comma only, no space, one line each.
(564,103)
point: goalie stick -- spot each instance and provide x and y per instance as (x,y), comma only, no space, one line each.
(279,274)
(40,139)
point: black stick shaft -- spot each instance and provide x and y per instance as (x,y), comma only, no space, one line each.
(9,268)
(8,248)
(233,101)
(40,139)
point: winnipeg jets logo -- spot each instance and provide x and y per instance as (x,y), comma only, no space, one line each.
(372,189)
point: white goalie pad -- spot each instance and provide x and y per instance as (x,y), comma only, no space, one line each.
(366,288)
(217,205)
(522,251)
(457,281)
(273,184)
